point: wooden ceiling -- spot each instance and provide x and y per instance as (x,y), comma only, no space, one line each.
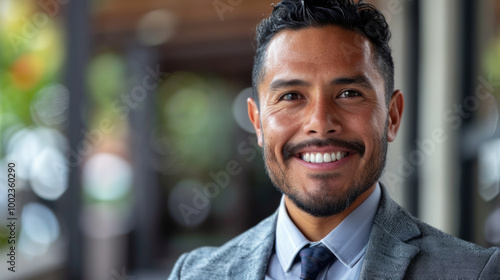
(198,20)
(203,39)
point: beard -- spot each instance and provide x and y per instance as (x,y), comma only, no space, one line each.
(325,204)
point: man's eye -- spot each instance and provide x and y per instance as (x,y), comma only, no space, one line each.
(349,93)
(290,96)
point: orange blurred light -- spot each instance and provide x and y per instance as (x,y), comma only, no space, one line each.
(27,71)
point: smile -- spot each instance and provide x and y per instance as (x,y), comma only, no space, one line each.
(323,157)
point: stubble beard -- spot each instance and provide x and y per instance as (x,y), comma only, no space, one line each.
(324,204)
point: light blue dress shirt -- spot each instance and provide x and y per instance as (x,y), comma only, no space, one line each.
(347,242)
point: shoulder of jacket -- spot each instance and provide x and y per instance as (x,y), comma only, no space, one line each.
(213,260)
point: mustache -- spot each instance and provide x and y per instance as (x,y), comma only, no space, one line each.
(290,149)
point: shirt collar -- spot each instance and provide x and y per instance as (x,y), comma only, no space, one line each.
(347,241)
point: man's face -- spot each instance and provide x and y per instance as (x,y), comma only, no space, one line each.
(323,120)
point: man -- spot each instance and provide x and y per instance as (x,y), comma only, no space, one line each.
(324,109)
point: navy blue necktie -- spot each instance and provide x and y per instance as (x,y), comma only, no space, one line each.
(313,259)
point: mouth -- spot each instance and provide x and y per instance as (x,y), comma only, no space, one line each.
(322,157)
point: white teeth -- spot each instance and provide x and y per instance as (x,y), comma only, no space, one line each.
(319,158)
(305,157)
(312,159)
(327,158)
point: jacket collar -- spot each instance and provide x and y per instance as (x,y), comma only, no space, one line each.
(254,253)
(387,255)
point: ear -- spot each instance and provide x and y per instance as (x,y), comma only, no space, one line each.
(395,114)
(253,114)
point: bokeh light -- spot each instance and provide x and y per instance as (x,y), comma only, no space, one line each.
(4,7)
(489,170)
(26,145)
(106,78)
(195,107)
(107,177)
(50,106)
(49,174)
(240,110)
(156,27)
(188,110)
(40,228)
(27,71)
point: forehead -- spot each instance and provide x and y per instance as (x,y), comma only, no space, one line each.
(315,52)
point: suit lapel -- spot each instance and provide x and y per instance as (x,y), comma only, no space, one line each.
(252,256)
(386,257)
(388,253)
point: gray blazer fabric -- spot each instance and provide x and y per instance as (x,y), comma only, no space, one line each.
(400,247)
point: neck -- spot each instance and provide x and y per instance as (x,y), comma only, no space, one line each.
(316,228)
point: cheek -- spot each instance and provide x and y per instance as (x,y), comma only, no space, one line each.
(279,127)
(368,125)
(281,121)
(374,118)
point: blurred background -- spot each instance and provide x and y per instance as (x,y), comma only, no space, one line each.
(127,125)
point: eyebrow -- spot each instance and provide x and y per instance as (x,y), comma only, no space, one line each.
(355,80)
(280,83)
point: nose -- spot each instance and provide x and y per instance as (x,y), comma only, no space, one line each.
(321,118)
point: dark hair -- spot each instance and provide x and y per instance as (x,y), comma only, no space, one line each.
(360,17)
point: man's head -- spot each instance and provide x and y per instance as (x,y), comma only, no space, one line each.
(324,115)
(363,18)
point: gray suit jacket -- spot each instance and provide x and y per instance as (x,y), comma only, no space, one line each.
(400,247)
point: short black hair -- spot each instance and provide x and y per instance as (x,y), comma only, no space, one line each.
(360,17)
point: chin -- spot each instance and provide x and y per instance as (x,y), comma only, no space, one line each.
(327,199)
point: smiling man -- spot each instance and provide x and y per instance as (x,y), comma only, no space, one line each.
(324,124)
(324,110)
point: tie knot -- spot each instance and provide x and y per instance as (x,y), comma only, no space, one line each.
(314,259)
